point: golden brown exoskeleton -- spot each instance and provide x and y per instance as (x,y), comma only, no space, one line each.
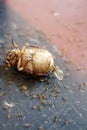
(33,60)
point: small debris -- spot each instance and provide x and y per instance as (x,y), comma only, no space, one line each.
(44,115)
(65,122)
(33,96)
(80,68)
(26,94)
(55,119)
(56,94)
(67,74)
(8,116)
(42,80)
(82,86)
(2,94)
(20,84)
(64,99)
(34,107)
(44,102)
(8,105)
(26,125)
(41,96)
(68,60)
(78,102)
(19,115)
(46,122)
(23,88)
(41,128)
(10,82)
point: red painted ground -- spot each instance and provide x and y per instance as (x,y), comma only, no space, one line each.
(63,21)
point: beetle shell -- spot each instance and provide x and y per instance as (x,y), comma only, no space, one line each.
(37,61)
(33,60)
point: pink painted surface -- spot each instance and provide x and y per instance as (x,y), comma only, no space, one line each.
(64,22)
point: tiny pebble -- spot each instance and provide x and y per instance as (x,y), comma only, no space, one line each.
(34,107)
(8,116)
(55,119)
(26,125)
(41,128)
(19,115)
(65,122)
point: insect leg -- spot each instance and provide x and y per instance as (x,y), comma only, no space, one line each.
(19,65)
(30,45)
(58,73)
(14,44)
(22,50)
